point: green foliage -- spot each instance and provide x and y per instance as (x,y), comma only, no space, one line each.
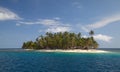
(91,32)
(61,40)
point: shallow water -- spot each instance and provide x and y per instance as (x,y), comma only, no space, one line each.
(32,61)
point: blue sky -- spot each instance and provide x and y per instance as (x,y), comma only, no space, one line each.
(24,20)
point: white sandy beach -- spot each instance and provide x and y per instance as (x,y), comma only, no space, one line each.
(74,50)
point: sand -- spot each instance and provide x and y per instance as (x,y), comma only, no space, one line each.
(74,50)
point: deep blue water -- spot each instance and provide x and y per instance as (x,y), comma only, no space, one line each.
(17,60)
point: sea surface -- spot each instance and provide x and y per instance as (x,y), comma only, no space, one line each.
(19,60)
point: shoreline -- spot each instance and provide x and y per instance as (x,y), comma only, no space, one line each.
(71,50)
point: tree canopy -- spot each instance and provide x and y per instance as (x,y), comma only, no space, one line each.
(62,40)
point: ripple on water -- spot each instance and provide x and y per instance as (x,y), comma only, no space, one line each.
(58,62)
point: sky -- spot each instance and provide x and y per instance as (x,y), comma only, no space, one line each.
(25,20)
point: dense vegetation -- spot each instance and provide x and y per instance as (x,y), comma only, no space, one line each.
(61,40)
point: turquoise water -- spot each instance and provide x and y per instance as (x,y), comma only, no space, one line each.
(31,61)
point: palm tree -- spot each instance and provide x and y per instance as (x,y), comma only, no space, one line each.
(61,40)
(91,33)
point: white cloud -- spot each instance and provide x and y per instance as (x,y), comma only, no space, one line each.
(103,22)
(56,18)
(84,36)
(18,24)
(6,14)
(53,25)
(28,23)
(85,29)
(58,29)
(103,37)
(47,22)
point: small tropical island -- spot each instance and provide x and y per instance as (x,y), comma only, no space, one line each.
(63,42)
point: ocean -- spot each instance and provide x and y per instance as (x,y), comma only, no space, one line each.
(19,60)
